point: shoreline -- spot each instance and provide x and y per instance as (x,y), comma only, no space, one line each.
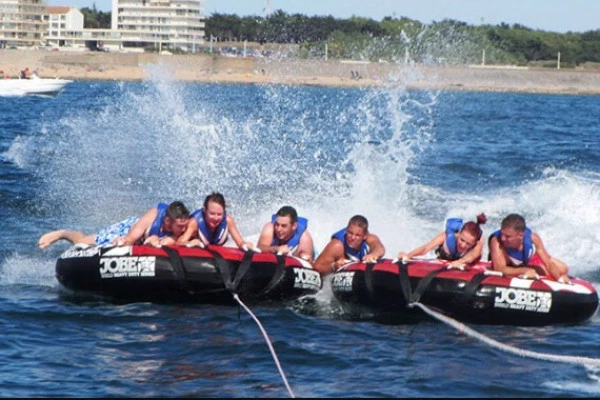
(204,68)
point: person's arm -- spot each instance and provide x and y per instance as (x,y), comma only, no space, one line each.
(138,230)
(331,258)
(167,241)
(191,231)
(156,241)
(376,248)
(555,267)
(471,256)
(236,235)
(306,248)
(499,262)
(424,249)
(266,238)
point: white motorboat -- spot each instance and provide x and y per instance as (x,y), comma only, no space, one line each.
(33,86)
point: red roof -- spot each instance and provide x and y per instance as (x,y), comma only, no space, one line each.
(58,9)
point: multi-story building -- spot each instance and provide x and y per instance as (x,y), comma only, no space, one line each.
(65,29)
(173,24)
(141,24)
(22,23)
(62,20)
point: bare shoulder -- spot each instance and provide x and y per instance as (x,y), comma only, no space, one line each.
(148,217)
(334,246)
(371,237)
(306,234)
(267,228)
(266,234)
(537,240)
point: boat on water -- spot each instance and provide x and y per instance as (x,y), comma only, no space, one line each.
(476,294)
(185,274)
(34,86)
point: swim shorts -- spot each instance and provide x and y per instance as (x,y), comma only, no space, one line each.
(107,235)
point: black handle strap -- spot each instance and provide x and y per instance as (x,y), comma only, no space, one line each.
(223,269)
(178,267)
(369,280)
(470,289)
(424,284)
(232,283)
(243,269)
(404,281)
(279,270)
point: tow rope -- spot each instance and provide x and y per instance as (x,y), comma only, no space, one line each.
(462,328)
(412,300)
(232,285)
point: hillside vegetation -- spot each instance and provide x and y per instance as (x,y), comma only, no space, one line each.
(400,39)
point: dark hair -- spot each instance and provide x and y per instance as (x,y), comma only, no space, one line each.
(515,221)
(473,228)
(359,221)
(215,197)
(288,211)
(177,210)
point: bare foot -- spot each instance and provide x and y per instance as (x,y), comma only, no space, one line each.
(50,237)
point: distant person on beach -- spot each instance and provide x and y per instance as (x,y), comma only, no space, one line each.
(515,250)
(212,225)
(461,243)
(161,225)
(353,243)
(25,74)
(287,234)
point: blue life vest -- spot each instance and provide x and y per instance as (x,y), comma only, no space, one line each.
(453,226)
(516,256)
(155,228)
(350,253)
(219,236)
(294,241)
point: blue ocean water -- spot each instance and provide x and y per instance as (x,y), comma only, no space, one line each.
(407,160)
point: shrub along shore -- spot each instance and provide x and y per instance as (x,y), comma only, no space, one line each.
(334,73)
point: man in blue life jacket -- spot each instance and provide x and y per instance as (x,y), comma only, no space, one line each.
(287,234)
(516,250)
(161,225)
(351,244)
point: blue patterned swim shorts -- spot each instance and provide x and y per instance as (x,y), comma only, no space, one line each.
(107,235)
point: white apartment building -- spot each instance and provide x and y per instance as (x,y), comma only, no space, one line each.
(22,23)
(136,24)
(65,29)
(62,20)
(161,24)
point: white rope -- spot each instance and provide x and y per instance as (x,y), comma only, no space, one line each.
(462,328)
(287,385)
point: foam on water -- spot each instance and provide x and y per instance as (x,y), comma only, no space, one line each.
(24,269)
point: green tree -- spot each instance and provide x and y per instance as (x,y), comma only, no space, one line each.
(95,19)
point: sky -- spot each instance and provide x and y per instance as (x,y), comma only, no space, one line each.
(548,15)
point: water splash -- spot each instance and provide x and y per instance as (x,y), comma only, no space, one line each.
(332,153)
(27,270)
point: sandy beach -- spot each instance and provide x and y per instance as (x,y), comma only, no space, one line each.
(335,73)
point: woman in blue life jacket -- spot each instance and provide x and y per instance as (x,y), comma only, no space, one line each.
(160,225)
(515,250)
(459,243)
(212,225)
(287,234)
(353,243)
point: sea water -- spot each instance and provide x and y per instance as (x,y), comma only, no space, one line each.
(407,160)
